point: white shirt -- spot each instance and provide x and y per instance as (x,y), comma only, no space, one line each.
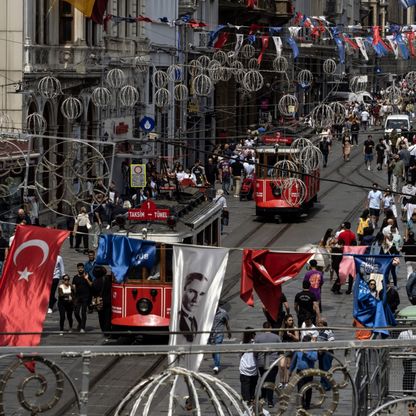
(388,201)
(410,208)
(248,364)
(374,199)
(365,115)
(59,268)
(221,201)
(311,330)
(248,168)
(180,176)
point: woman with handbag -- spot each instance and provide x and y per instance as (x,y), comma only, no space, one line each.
(81,229)
(65,302)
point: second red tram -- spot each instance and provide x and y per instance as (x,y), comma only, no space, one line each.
(271,197)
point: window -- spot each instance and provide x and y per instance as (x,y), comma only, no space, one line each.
(66,23)
(91,32)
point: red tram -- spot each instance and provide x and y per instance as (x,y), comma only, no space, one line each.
(271,196)
(143,299)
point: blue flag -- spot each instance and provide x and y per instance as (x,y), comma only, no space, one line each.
(294,46)
(121,253)
(368,310)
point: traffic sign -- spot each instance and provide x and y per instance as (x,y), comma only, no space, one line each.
(147,124)
(148,212)
(137,175)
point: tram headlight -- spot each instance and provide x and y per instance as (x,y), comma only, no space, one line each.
(144,306)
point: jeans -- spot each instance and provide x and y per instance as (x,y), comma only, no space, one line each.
(83,237)
(248,387)
(267,394)
(237,185)
(325,363)
(226,182)
(218,339)
(81,305)
(394,275)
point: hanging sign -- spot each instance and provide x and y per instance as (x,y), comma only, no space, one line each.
(148,212)
(137,175)
(147,124)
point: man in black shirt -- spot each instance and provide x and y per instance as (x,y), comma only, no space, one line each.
(82,284)
(237,169)
(380,149)
(211,172)
(306,304)
(22,217)
(368,150)
(199,172)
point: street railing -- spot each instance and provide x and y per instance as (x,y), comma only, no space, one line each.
(363,377)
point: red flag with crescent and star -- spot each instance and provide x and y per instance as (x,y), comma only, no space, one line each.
(26,283)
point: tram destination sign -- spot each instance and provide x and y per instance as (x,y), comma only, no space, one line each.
(148,212)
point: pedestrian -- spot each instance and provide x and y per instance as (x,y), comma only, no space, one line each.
(389,202)
(347,236)
(368,150)
(409,375)
(225,175)
(66,296)
(81,229)
(355,129)
(399,174)
(23,217)
(306,303)
(99,216)
(325,147)
(392,297)
(4,245)
(82,285)
(222,202)
(411,288)
(221,322)
(211,172)
(90,264)
(363,222)
(316,279)
(58,273)
(365,115)
(237,169)
(336,258)
(303,360)
(308,328)
(248,369)
(346,147)
(325,357)
(70,223)
(266,359)
(288,333)
(380,150)
(409,250)
(284,309)
(374,204)
(199,171)
(408,192)
(101,292)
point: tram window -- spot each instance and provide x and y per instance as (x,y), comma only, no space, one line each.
(270,162)
(187,240)
(145,273)
(200,238)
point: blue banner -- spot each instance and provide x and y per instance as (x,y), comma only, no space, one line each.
(121,253)
(408,3)
(368,309)
(294,46)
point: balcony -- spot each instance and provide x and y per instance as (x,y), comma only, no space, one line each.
(263,9)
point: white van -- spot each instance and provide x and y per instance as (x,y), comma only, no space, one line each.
(361,97)
(396,122)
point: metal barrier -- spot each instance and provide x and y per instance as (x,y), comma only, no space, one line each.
(366,378)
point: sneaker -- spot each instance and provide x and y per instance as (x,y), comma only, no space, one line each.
(216,370)
(82,331)
(369,168)
(50,310)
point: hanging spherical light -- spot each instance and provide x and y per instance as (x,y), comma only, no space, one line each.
(284,169)
(393,94)
(330,66)
(358,84)
(204,61)
(129,96)
(280,64)
(310,158)
(236,66)
(253,81)
(288,105)
(140,64)
(305,78)
(214,71)
(71,108)
(294,191)
(322,116)
(339,112)
(253,64)
(231,57)
(181,92)
(101,97)
(161,97)
(248,51)
(202,85)
(36,124)
(221,57)
(160,79)
(116,78)
(195,68)
(49,87)
(175,73)
(225,73)
(410,79)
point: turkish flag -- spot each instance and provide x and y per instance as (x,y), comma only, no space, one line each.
(26,283)
(98,11)
(265,271)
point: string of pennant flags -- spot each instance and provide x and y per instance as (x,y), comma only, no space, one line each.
(398,41)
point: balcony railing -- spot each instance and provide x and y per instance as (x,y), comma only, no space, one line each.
(279,7)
